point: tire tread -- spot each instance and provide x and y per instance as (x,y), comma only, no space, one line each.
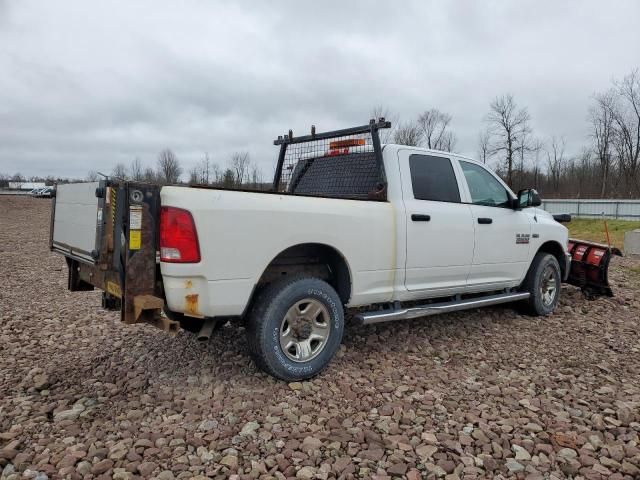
(266,300)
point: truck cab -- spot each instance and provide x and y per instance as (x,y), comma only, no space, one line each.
(459,226)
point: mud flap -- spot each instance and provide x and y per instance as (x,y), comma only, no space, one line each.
(590,267)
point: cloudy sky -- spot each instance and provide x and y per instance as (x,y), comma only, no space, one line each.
(85,85)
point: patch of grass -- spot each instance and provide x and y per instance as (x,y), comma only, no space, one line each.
(593,230)
(635,270)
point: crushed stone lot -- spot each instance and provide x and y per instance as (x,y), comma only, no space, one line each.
(482,394)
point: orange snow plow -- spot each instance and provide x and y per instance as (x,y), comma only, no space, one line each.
(590,266)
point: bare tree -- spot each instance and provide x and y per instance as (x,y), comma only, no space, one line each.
(149,175)
(555,160)
(240,162)
(256,176)
(583,171)
(92,176)
(169,169)
(136,170)
(228,178)
(435,131)
(202,173)
(483,145)
(626,118)
(537,147)
(216,174)
(386,134)
(206,167)
(194,176)
(407,134)
(602,133)
(119,171)
(508,127)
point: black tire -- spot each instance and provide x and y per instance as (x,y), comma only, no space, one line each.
(266,328)
(543,274)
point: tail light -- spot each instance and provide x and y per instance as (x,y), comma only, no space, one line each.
(178,236)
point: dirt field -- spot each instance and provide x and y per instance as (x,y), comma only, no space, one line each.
(483,394)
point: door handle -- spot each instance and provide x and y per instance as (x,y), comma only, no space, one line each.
(485,221)
(416,217)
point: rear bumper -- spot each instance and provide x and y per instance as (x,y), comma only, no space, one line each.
(198,297)
(567,266)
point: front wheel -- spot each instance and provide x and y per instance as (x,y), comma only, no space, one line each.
(295,328)
(543,282)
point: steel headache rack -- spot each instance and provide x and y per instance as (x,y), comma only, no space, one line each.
(343,163)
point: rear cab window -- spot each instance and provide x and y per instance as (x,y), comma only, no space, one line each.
(433,178)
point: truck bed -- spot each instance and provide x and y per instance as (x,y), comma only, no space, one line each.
(240,233)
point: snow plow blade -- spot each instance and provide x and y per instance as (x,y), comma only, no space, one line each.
(590,267)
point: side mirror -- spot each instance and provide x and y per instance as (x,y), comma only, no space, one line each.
(528,198)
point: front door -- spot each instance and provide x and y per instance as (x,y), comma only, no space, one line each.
(440,233)
(502,234)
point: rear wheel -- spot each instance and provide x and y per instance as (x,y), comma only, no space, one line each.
(295,328)
(543,282)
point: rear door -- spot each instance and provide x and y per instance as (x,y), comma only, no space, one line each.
(502,234)
(440,232)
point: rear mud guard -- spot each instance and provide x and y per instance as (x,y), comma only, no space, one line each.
(590,267)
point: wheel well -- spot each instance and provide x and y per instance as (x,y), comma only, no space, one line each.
(312,259)
(555,249)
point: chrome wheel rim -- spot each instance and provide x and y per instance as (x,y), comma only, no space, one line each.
(304,330)
(548,286)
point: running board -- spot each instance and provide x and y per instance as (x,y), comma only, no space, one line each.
(368,318)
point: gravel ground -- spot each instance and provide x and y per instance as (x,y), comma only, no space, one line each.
(483,394)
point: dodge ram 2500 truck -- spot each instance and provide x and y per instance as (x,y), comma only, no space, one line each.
(400,232)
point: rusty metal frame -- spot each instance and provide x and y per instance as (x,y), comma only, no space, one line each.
(125,265)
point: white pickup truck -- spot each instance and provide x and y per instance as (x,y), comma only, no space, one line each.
(399,232)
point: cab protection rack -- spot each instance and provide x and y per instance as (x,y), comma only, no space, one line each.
(331,152)
(373,125)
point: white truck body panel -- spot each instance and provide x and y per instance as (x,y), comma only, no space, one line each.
(74,229)
(240,233)
(389,256)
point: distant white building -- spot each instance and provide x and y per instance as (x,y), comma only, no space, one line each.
(26,185)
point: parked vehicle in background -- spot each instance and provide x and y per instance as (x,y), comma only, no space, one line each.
(46,192)
(35,191)
(399,232)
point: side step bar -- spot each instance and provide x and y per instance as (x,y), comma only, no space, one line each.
(368,318)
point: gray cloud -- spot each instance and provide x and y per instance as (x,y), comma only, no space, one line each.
(85,85)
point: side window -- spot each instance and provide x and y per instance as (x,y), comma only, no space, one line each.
(433,178)
(484,188)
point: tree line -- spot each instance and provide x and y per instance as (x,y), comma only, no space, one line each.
(239,172)
(607,165)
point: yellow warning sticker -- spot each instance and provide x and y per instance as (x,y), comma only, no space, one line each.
(135,239)
(114,289)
